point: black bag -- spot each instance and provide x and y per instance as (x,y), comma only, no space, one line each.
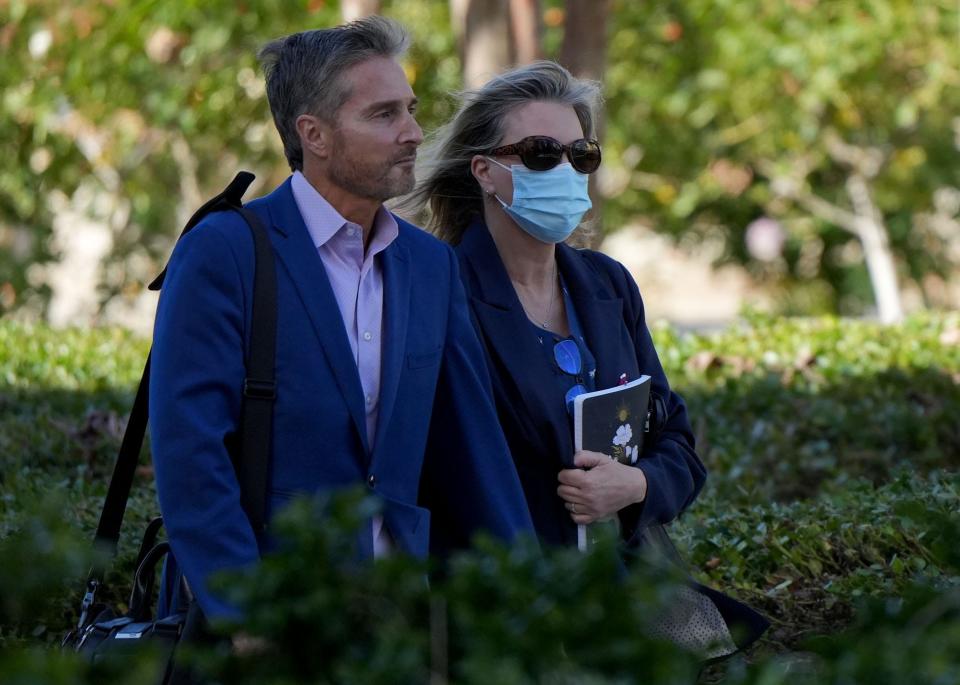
(109,635)
(102,632)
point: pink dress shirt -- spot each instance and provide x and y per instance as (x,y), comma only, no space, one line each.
(357,281)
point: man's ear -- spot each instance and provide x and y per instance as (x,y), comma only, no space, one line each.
(480,168)
(315,135)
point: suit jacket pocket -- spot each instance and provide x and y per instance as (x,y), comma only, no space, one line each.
(409,525)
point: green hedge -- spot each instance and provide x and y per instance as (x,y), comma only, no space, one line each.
(784,409)
(834,459)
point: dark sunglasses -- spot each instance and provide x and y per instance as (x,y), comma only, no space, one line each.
(540,153)
(567,355)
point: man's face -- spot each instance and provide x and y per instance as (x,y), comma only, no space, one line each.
(376,136)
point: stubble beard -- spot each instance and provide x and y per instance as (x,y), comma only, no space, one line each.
(379,182)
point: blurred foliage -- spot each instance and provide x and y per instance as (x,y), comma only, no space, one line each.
(134,112)
(839,517)
(711,103)
(785,408)
(154,106)
(497,615)
(42,555)
(64,397)
(807,563)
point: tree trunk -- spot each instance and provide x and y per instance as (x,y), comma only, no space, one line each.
(525,19)
(83,239)
(873,236)
(584,48)
(355,9)
(865,164)
(882,270)
(458,22)
(584,53)
(486,47)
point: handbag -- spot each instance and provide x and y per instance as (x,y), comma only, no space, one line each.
(103,632)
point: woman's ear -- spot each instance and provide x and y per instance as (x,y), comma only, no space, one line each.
(480,168)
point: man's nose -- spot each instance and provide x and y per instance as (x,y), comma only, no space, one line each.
(412,133)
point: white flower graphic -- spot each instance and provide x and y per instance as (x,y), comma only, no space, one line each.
(623,436)
(632,453)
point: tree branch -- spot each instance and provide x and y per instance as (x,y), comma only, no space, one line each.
(793,188)
(866,161)
(827,211)
(863,205)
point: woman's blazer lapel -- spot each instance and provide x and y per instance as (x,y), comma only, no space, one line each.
(600,311)
(520,371)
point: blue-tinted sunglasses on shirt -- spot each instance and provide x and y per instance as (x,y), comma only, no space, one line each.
(569,360)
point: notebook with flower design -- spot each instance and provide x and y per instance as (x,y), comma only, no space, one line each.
(611,422)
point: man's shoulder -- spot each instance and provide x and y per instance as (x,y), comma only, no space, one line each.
(225,225)
(219,243)
(223,222)
(229,225)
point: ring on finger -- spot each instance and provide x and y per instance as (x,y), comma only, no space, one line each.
(573,508)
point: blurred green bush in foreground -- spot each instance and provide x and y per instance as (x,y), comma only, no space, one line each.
(833,506)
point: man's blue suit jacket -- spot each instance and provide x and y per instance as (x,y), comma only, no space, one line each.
(437,422)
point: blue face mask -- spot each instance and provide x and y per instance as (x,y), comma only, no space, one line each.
(547,204)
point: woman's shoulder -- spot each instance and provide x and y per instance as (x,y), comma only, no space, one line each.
(596,259)
(605,267)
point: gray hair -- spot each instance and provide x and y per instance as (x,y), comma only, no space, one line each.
(449,188)
(304,72)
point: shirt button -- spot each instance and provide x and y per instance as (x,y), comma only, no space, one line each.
(367,335)
(369,399)
(352,232)
(371,480)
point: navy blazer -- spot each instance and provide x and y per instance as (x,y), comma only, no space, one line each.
(436,421)
(535,420)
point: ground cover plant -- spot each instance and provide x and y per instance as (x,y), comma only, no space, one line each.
(832,505)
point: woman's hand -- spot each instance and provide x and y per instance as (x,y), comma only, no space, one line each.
(601,490)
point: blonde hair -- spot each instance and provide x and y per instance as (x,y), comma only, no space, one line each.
(449,188)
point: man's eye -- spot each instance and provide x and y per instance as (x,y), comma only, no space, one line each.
(386,114)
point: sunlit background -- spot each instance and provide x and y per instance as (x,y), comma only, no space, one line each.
(794,156)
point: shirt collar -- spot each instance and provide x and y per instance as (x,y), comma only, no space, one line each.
(324,221)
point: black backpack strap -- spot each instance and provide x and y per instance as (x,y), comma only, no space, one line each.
(259,387)
(115,503)
(231,197)
(259,392)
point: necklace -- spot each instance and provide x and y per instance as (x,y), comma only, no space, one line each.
(548,315)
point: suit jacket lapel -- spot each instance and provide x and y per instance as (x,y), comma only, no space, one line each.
(396,305)
(601,316)
(298,254)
